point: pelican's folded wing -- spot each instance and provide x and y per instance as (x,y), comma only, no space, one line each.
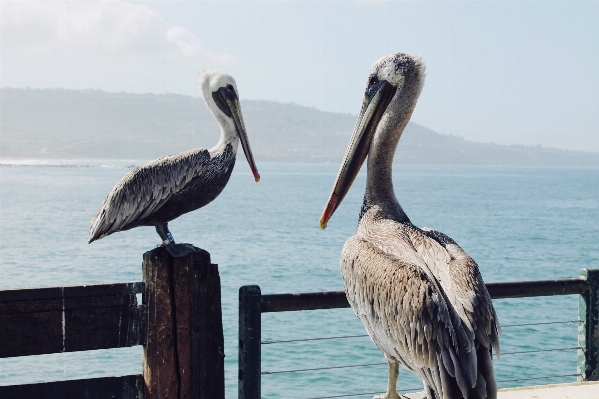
(472,297)
(408,317)
(144,190)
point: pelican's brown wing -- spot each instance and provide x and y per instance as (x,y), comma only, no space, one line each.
(144,190)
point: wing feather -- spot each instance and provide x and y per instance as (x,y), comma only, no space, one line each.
(144,190)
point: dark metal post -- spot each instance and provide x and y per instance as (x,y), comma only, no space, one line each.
(588,329)
(250,316)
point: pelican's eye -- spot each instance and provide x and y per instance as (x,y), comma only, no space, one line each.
(373,80)
(230,87)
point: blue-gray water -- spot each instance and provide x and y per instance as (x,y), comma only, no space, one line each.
(518,223)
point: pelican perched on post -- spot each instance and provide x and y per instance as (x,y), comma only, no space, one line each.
(420,296)
(171,186)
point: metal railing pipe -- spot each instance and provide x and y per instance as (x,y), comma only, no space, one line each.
(337,299)
(525,289)
(250,337)
(304,301)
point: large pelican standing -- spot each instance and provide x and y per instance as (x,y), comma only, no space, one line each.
(420,296)
(168,187)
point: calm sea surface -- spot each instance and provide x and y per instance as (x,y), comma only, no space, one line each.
(518,223)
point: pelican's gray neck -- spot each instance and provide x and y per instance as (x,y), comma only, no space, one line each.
(379,180)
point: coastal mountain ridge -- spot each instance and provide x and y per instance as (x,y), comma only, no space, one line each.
(93,124)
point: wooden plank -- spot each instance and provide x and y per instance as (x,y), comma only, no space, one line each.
(89,329)
(72,330)
(60,304)
(31,334)
(36,306)
(123,387)
(29,294)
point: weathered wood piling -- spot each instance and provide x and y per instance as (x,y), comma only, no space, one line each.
(184,353)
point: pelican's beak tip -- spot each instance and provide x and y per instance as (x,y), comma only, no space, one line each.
(322,224)
(257,178)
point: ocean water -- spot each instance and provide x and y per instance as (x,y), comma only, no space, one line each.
(517,223)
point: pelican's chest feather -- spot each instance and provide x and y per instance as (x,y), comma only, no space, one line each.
(218,172)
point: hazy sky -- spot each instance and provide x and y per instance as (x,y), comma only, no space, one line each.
(510,72)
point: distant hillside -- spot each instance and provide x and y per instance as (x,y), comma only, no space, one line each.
(90,124)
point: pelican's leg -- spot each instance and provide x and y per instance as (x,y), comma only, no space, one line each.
(176,250)
(165,235)
(392,382)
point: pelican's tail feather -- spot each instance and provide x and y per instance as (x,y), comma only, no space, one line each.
(93,228)
(484,387)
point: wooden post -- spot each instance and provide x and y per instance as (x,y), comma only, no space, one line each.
(183,357)
(250,324)
(588,329)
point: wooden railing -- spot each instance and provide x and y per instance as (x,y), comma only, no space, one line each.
(252,304)
(179,324)
(68,319)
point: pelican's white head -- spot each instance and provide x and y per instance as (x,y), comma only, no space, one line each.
(211,82)
(220,94)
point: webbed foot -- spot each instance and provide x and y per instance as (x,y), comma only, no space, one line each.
(180,250)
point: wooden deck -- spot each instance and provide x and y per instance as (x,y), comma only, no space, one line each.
(574,390)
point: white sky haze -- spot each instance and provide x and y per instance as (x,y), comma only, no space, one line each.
(510,72)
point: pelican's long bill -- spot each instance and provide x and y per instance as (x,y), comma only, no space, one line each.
(228,102)
(245,144)
(376,100)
